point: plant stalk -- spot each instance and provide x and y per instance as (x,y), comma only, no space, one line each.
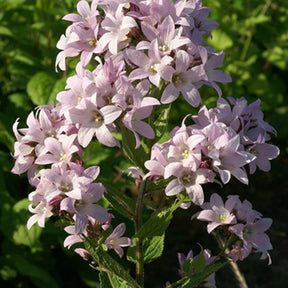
(139,242)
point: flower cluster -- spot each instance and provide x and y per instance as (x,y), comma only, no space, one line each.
(219,144)
(159,40)
(246,225)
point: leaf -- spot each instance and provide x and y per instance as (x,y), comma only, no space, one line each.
(6,273)
(5,136)
(120,202)
(157,185)
(157,223)
(199,262)
(160,124)
(5,31)
(40,87)
(136,156)
(187,267)
(152,247)
(13,223)
(220,40)
(108,280)
(21,101)
(197,279)
(257,20)
(58,87)
(108,263)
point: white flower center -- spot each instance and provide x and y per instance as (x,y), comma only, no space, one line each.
(63,156)
(185,154)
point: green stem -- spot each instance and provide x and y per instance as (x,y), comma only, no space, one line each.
(139,242)
(177,283)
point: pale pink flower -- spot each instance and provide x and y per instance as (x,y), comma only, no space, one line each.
(41,212)
(152,66)
(57,150)
(184,80)
(117,26)
(116,242)
(188,180)
(218,214)
(86,207)
(95,122)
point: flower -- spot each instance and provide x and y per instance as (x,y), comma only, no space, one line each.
(216,213)
(116,242)
(95,122)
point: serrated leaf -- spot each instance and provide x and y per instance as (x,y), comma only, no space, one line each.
(197,279)
(158,222)
(108,263)
(109,280)
(39,88)
(152,249)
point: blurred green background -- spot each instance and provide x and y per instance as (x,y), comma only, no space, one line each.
(254,36)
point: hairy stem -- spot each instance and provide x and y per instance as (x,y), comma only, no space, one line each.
(139,242)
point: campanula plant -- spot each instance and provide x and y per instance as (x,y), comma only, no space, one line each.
(135,59)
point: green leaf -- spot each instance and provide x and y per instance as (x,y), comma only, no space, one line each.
(257,20)
(108,263)
(196,279)
(220,40)
(199,262)
(152,247)
(104,280)
(58,87)
(157,185)
(21,233)
(109,280)
(120,202)
(13,223)
(158,222)
(160,124)
(39,88)
(187,267)
(5,136)
(6,273)
(21,101)
(136,156)
(5,31)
